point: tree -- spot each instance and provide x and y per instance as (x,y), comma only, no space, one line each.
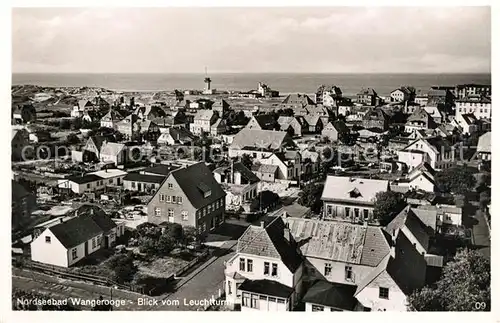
(458,180)
(76,124)
(190,235)
(311,196)
(165,245)
(123,266)
(174,231)
(387,206)
(484,199)
(465,285)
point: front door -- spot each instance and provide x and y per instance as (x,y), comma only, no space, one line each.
(106,241)
(139,187)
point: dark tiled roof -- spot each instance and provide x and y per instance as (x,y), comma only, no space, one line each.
(412,222)
(160,169)
(270,241)
(84,179)
(76,231)
(296,98)
(335,295)
(196,179)
(266,121)
(266,287)
(136,177)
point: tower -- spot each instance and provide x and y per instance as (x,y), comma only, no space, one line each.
(207,83)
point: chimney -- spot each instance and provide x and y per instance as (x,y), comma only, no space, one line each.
(91,211)
(262,224)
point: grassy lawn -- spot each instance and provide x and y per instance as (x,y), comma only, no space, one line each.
(160,267)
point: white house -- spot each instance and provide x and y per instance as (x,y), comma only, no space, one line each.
(113,152)
(92,182)
(351,199)
(259,143)
(266,272)
(110,119)
(467,122)
(72,240)
(78,110)
(435,151)
(360,267)
(420,178)
(477,105)
(289,164)
(483,150)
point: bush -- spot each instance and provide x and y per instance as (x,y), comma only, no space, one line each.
(123,267)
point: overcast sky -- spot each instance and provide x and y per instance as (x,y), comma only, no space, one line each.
(177,40)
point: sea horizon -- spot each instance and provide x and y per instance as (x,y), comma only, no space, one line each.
(285,82)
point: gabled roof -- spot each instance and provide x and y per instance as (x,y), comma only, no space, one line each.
(340,296)
(297,98)
(339,125)
(419,115)
(111,148)
(264,168)
(261,139)
(84,103)
(265,121)
(367,91)
(407,218)
(469,118)
(407,267)
(270,241)
(484,143)
(76,231)
(130,119)
(339,241)
(375,113)
(195,181)
(339,188)
(112,115)
(100,140)
(204,115)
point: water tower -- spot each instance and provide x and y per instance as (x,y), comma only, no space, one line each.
(207,81)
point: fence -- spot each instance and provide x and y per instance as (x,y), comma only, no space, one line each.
(191,264)
(153,287)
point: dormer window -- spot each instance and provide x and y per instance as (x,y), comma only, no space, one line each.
(354,193)
(205,189)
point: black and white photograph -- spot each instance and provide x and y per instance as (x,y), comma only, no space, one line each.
(251,159)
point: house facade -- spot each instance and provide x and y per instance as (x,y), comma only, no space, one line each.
(351,199)
(480,107)
(203,121)
(367,97)
(266,272)
(239,183)
(435,151)
(71,241)
(464,90)
(189,196)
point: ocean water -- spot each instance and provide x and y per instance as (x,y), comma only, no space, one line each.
(283,82)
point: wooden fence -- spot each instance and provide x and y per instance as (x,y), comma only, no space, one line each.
(147,289)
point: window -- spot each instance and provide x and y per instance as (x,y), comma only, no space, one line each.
(255,303)
(328,269)
(242,264)
(100,182)
(169,199)
(93,243)
(281,301)
(170,185)
(209,208)
(272,299)
(74,254)
(266,268)
(99,240)
(347,211)
(263,297)
(383,292)
(110,181)
(170,212)
(47,239)
(274,272)
(184,215)
(88,185)
(229,285)
(157,211)
(249,265)
(204,211)
(246,300)
(179,199)
(133,186)
(348,273)
(365,211)
(318,308)
(198,214)
(174,199)
(162,196)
